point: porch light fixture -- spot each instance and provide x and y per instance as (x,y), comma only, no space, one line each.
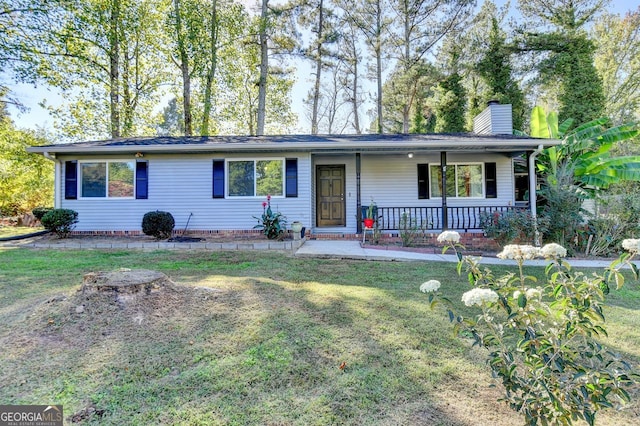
(139,155)
(410,155)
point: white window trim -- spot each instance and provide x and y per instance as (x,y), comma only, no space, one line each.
(449,197)
(106,197)
(227,185)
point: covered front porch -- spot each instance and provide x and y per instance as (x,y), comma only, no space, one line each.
(406,188)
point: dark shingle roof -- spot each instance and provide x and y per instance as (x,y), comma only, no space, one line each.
(354,143)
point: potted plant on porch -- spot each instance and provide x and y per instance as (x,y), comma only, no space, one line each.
(369,217)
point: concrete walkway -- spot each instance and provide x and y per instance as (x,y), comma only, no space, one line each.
(329,249)
(353,250)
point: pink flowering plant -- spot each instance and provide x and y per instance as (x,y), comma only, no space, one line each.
(272,223)
(542,338)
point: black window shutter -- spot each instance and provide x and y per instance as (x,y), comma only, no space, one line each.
(423,181)
(71,180)
(291,173)
(142,180)
(218,178)
(490,178)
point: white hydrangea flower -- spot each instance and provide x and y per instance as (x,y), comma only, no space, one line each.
(429,286)
(519,252)
(553,250)
(631,245)
(516,294)
(449,237)
(477,296)
(534,293)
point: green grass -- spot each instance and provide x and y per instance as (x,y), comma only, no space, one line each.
(13,231)
(253,338)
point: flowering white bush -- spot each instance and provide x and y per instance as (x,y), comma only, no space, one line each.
(429,286)
(519,252)
(449,237)
(533,293)
(631,245)
(553,250)
(529,293)
(478,296)
(541,341)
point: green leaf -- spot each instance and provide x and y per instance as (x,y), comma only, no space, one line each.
(564,127)
(619,280)
(559,364)
(522,300)
(624,395)
(539,128)
(634,269)
(552,124)
(589,417)
(456,329)
(557,290)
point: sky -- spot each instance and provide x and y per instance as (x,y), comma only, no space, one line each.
(37,117)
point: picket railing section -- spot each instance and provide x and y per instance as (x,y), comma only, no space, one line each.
(459,218)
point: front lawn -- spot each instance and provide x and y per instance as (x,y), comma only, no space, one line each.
(13,231)
(254,338)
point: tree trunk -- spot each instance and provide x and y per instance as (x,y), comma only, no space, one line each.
(127,98)
(264,69)
(378,51)
(316,87)
(211,73)
(354,96)
(114,68)
(406,109)
(184,69)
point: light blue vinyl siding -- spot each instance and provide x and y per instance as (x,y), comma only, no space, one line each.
(182,185)
(392,181)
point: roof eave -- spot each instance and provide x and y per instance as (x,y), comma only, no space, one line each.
(485,145)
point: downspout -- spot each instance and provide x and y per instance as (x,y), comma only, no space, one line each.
(358,194)
(443,171)
(533,180)
(56,181)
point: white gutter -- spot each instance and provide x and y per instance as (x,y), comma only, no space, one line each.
(533,180)
(57,201)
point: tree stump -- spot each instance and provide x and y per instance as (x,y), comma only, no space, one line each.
(125,285)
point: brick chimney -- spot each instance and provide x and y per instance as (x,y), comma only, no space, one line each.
(496,119)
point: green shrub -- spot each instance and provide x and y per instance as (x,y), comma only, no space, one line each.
(543,337)
(603,236)
(60,221)
(410,231)
(561,205)
(158,224)
(512,226)
(39,212)
(617,217)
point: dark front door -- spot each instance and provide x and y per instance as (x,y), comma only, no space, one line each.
(330,206)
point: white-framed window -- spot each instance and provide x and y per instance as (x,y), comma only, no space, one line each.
(107,179)
(463,180)
(251,178)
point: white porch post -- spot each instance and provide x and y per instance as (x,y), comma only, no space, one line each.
(533,180)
